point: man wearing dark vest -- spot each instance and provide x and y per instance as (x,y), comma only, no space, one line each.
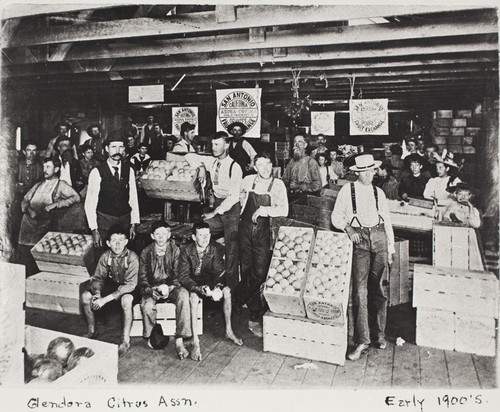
(239,149)
(361,210)
(112,194)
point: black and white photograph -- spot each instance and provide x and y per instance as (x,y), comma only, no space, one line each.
(249,206)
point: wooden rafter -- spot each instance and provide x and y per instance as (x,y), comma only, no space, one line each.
(251,16)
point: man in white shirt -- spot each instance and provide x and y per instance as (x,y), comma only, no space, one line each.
(185,142)
(226,176)
(71,171)
(112,194)
(321,146)
(361,210)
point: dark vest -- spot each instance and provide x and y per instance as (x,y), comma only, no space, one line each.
(239,154)
(114,195)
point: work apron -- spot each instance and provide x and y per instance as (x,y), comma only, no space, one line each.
(32,230)
(255,252)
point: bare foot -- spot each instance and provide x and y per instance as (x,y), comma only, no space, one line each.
(182,352)
(236,341)
(91,334)
(196,353)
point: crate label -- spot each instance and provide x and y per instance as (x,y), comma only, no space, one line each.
(324,310)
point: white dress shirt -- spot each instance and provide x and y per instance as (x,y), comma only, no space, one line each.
(65,172)
(436,189)
(94,188)
(279,198)
(224,187)
(183,147)
(367,213)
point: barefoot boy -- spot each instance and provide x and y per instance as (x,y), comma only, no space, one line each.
(201,272)
(115,278)
(158,282)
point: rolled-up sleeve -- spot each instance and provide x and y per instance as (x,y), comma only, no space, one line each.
(133,201)
(279,201)
(92,198)
(233,196)
(340,214)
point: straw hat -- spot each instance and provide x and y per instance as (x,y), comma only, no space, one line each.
(365,162)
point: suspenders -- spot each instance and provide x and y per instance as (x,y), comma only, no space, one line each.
(270,185)
(354,207)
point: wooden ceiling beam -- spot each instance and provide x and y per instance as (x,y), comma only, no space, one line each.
(284,39)
(247,17)
(255,59)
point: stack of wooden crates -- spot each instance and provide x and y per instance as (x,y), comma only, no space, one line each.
(63,277)
(456,300)
(456,131)
(307,327)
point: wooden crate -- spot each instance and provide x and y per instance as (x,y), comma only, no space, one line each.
(456,246)
(457,131)
(454,140)
(463,114)
(442,131)
(165,316)
(440,139)
(100,369)
(475,334)
(407,217)
(396,281)
(329,311)
(78,265)
(435,328)
(278,222)
(55,291)
(314,210)
(283,303)
(305,338)
(12,318)
(472,131)
(459,122)
(469,149)
(444,114)
(454,289)
(442,122)
(468,140)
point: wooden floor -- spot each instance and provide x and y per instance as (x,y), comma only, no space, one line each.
(224,363)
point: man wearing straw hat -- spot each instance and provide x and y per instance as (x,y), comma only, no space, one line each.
(361,210)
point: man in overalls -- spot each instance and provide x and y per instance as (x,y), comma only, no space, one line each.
(361,210)
(226,178)
(262,196)
(239,148)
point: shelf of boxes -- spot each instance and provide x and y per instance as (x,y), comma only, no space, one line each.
(456,131)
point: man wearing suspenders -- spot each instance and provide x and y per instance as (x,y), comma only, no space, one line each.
(361,210)
(262,196)
(226,178)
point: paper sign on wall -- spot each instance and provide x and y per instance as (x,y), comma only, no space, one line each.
(323,122)
(184,114)
(368,117)
(239,105)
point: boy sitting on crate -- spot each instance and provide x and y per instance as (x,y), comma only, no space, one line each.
(115,278)
(461,210)
(201,272)
(158,282)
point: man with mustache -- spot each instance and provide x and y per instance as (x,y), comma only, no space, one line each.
(302,175)
(112,194)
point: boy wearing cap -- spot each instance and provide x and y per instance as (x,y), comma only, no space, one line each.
(361,210)
(158,282)
(112,194)
(461,210)
(115,278)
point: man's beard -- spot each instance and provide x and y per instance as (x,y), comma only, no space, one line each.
(297,155)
